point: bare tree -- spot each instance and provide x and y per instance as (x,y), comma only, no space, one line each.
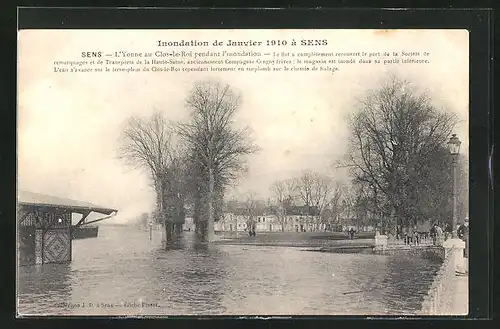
(363,210)
(396,135)
(315,191)
(304,186)
(347,206)
(333,207)
(175,190)
(283,194)
(322,193)
(355,205)
(252,207)
(147,143)
(217,147)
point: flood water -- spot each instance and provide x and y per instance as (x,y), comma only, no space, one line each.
(122,272)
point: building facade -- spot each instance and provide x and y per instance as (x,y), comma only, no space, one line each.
(188,224)
(294,222)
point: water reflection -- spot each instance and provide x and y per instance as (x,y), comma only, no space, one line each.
(123,272)
(195,271)
(49,282)
(401,272)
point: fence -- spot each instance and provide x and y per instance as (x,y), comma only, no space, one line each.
(437,299)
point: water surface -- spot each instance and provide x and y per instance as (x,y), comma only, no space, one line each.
(122,272)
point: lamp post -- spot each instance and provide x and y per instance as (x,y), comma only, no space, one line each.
(454,148)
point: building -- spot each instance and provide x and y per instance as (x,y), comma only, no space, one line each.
(302,219)
(44,226)
(297,219)
(188,224)
(231,222)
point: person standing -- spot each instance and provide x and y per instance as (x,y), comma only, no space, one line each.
(466,238)
(410,235)
(448,231)
(416,236)
(463,233)
(433,234)
(439,235)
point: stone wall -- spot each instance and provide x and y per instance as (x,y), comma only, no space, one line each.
(428,252)
(433,303)
(437,300)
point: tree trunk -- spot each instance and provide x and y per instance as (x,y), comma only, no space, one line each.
(197,214)
(178,228)
(160,201)
(201,228)
(168,231)
(393,218)
(210,222)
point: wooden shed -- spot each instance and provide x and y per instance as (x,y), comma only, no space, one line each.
(45,229)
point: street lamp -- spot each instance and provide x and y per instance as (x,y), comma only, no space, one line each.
(454,147)
(454,144)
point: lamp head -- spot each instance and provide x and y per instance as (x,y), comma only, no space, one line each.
(454,145)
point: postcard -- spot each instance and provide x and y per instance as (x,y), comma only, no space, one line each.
(242,172)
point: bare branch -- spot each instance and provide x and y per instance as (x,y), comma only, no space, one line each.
(395,135)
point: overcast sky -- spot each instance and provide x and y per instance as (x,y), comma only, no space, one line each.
(69,124)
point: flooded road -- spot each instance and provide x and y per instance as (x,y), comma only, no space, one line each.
(122,272)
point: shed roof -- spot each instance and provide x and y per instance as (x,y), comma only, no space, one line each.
(39,199)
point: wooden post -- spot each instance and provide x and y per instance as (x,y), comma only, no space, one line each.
(39,246)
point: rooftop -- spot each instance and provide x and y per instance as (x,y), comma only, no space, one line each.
(39,199)
(291,211)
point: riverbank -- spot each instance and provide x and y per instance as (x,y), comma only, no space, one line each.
(329,242)
(294,236)
(316,241)
(313,245)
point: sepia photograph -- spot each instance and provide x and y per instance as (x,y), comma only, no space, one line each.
(242,172)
